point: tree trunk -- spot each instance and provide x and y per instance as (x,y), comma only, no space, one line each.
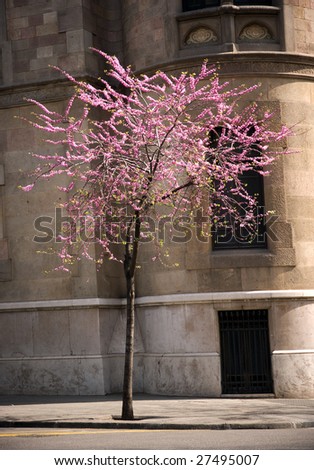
(127,406)
(131,250)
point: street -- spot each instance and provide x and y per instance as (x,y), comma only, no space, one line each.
(103,439)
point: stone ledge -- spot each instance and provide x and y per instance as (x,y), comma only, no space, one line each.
(231,9)
(16,95)
(252,258)
(245,63)
(171,299)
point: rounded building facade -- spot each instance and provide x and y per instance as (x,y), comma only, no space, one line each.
(230,319)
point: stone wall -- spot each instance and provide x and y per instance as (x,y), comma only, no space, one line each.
(299,19)
(40,34)
(177,347)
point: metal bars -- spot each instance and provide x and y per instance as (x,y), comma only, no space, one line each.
(245,352)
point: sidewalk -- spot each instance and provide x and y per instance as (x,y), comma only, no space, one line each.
(156,412)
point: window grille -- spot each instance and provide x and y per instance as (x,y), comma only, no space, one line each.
(245,352)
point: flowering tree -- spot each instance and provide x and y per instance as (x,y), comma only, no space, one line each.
(161,141)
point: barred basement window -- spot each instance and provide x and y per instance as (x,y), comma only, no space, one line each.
(245,352)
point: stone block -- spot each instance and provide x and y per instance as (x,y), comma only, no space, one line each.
(36,20)
(299,184)
(293,375)
(69,376)
(72,62)
(170,282)
(256,279)
(305,253)
(4,249)
(298,206)
(21,66)
(2,182)
(296,91)
(78,41)
(299,278)
(50,17)
(309,14)
(20,139)
(71,19)
(5,270)
(46,51)
(50,40)
(47,29)
(220,280)
(304,229)
(198,260)
(178,328)
(44,288)
(87,321)
(51,333)
(182,375)
(42,63)
(290,323)
(18,23)
(16,334)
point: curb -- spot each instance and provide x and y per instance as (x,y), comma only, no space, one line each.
(154,426)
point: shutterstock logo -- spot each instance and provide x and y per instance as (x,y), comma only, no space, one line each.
(180,229)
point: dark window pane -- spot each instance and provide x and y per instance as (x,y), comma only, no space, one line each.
(253,2)
(190,5)
(232,235)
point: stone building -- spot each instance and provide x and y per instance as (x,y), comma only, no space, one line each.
(230,319)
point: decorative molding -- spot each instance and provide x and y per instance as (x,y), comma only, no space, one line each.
(53,90)
(293,351)
(171,299)
(106,356)
(244,63)
(255,32)
(61,304)
(227,9)
(201,35)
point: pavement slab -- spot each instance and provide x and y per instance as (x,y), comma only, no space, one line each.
(156,412)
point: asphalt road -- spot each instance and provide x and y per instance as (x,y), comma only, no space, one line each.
(97,439)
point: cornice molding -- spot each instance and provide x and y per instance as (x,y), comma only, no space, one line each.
(246,63)
(240,64)
(56,90)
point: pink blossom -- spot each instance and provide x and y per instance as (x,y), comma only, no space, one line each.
(153,144)
(27,188)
